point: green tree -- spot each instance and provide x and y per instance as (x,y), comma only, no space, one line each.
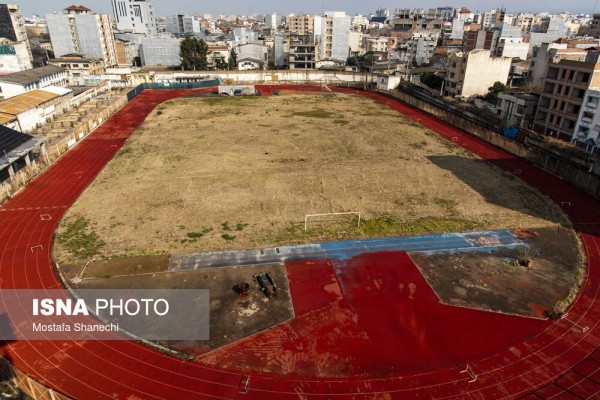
(369,60)
(193,53)
(432,80)
(352,61)
(220,64)
(493,91)
(232,62)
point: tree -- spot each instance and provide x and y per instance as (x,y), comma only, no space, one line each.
(232,62)
(352,61)
(193,53)
(220,63)
(432,80)
(493,91)
(369,60)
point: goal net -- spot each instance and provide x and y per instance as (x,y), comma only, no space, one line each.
(313,221)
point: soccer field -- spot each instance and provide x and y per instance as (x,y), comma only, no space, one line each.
(242,172)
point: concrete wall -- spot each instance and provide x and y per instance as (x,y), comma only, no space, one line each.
(10,90)
(60,35)
(160,52)
(513,49)
(89,37)
(482,71)
(14,57)
(265,76)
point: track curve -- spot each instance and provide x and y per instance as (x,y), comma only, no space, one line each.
(561,359)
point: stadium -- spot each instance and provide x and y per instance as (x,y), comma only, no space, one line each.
(368,306)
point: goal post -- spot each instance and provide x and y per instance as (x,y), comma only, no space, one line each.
(331,215)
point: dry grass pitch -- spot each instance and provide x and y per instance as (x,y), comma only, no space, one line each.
(221,173)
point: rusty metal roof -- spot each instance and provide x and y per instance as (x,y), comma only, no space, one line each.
(26,101)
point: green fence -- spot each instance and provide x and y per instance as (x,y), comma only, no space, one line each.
(171,86)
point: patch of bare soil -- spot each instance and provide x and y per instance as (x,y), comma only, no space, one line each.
(232,316)
(536,281)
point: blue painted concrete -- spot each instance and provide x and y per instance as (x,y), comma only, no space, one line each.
(481,240)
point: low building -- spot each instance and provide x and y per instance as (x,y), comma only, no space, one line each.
(472,74)
(218,56)
(17,151)
(518,109)
(251,56)
(388,82)
(79,67)
(30,110)
(37,78)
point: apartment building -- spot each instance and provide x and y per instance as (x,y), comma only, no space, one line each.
(79,30)
(587,129)
(301,24)
(332,31)
(563,97)
(302,52)
(181,24)
(549,53)
(474,73)
(12,27)
(135,16)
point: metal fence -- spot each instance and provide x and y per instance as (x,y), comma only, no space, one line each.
(170,86)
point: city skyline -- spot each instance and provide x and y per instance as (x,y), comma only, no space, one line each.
(352,7)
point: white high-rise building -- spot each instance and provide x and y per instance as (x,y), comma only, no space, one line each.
(181,24)
(81,31)
(333,32)
(135,16)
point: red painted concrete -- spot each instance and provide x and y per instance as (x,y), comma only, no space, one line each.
(129,370)
(371,316)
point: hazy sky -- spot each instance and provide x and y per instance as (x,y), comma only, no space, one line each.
(244,7)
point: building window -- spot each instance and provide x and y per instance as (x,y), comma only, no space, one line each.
(585,78)
(588,115)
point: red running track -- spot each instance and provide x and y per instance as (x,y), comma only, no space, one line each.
(559,362)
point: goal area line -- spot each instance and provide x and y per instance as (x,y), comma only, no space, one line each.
(308,216)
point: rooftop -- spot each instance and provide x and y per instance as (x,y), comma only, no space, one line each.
(70,59)
(11,139)
(26,101)
(31,75)
(523,96)
(77,8)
